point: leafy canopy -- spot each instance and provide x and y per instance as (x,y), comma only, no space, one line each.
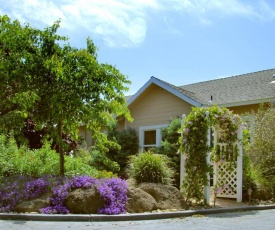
(56,85)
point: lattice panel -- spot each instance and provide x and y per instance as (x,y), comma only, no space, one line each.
(227,180)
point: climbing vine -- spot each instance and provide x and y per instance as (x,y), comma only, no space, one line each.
(195,148)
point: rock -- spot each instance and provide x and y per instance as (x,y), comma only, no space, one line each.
(84,201)
(131,182)
(166,196)
(139,201)
(34,204)
(145,197)
(150,196)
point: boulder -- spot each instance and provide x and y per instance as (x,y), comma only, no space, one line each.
(139,201)
(144,197)
(166,196)
(34,204)
(84,201)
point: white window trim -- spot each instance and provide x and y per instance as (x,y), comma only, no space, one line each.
(142,129)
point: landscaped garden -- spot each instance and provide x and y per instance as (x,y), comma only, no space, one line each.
(49,89)
(26,174)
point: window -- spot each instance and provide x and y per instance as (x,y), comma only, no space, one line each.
(150,136)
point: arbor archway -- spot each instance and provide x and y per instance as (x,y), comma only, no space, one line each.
(226,154)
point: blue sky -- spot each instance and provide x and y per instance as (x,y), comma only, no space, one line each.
(178,41)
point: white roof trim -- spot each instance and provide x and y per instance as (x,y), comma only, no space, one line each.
(161,84)
(241,103)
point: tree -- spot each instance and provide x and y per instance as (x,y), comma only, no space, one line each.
(55,85)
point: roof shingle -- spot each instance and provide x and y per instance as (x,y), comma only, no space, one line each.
(236,89)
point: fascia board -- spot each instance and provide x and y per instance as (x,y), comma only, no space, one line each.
(242,103)
(166,87)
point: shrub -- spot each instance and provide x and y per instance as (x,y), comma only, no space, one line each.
(100,161)
(75,167)
(128,141)
(262,150)
(150,167)
(170,146)
(45,161)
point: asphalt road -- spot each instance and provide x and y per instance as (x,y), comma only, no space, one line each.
(263,219)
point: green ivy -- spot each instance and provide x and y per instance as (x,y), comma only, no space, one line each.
(195,148)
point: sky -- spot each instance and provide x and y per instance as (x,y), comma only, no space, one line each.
(178,41)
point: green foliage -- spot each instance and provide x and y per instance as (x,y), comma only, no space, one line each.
(262,150)
(170,146)
(22,161)
(100,161)
(128,142)
(150,167)
(44,161)
(254,179)
(248,180)
(97,159)
(195,148)
(58,86)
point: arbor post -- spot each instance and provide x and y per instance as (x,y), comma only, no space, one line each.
(240,166)
(182,157)
(207,187)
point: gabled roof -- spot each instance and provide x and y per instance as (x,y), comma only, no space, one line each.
(181,93)
(245,89)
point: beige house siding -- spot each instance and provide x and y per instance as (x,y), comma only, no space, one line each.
(121,123)
(244,109)
(85,135)
(156,106)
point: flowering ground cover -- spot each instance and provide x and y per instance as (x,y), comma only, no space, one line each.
(14,190)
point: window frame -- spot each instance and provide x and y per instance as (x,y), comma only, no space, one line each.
(143,129)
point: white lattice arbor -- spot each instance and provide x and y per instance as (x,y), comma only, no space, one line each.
(228,172)
(227,175)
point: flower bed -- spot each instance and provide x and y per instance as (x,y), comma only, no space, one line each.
(14,190)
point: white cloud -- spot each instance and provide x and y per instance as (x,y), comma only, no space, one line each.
(205,8)
(124,22)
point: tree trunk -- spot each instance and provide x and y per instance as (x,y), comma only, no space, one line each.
(60,150)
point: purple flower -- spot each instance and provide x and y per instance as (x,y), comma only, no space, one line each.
(225,186)
(14,190)
(113,191)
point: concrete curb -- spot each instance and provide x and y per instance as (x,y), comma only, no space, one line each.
(128,217)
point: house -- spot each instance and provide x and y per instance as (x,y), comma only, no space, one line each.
(157,101)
